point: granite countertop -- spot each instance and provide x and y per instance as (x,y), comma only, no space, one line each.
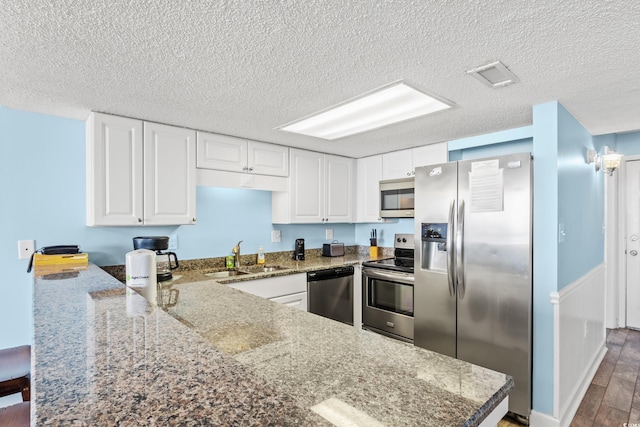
(197,270)
(104,356)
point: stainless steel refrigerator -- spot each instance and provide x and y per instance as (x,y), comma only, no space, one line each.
(473,266)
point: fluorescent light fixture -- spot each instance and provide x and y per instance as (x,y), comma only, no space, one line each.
(387,105)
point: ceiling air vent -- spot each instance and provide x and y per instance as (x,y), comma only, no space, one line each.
(494,75)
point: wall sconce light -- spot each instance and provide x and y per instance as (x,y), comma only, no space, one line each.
(608,162)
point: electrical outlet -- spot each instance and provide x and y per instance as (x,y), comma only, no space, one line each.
(173,241)
(276,236)
(328,233)
(26,248)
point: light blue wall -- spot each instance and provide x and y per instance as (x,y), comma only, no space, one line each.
(43,173)
(385,231)
(37,202)
(566,191)
(580,202)
(628,143)
(545,249)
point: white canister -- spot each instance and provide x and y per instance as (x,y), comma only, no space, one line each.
(141,273)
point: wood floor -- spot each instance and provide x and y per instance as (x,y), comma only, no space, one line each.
(613,398)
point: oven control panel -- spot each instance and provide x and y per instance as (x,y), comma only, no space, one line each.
(403,241)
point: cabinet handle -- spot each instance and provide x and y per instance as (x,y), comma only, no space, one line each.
(250,169)
(244,168)
(193,219)
(139,219)
(408,173)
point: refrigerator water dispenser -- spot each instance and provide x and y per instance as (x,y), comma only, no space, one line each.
(434,247)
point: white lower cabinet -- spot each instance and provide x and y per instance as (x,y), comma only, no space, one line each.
(298,300)
(290,290)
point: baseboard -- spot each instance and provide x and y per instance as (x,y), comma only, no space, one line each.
(539,419)
(572,407)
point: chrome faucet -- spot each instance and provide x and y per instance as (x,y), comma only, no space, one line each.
(236,252)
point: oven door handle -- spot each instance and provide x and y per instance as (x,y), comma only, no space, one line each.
(450,252)
(375,273)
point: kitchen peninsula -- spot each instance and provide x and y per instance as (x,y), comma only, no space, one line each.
(104,356)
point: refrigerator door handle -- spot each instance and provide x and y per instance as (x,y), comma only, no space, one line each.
(450,251)
(460,250)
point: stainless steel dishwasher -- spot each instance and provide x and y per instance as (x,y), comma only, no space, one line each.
(330,293)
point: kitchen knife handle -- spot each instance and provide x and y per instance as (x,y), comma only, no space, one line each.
(460,250)
(450,251)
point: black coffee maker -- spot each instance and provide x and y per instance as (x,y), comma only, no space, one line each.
(163,259)
(298,252)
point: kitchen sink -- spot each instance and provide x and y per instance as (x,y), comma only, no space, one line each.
(262,269)
(225,273)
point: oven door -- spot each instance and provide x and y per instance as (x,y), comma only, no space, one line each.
(388,302)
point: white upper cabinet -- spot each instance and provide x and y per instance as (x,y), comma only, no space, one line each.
(397,164)
(430,155)
(339,194)
(169,175)
(139,173)
(227,153)
(320,190)
(267,159)
(402,164)
(114,170)
(369,175)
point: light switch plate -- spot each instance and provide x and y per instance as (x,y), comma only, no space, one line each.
(561,233)
(328,233)
(26,248)
(276,236)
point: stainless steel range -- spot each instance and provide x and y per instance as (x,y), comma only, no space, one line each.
(387,293)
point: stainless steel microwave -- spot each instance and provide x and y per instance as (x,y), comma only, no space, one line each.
(397,198)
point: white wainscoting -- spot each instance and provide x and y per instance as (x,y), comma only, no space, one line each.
(579,341)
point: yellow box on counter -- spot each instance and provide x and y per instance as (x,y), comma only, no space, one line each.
(59,271)
(62,259)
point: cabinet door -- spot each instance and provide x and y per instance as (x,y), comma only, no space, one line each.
(221,152)
(430,155)
(306,187)
(339,175)
(114,170)
(169,175)
(398,164)
(298,301)
(267,159)
(369,174)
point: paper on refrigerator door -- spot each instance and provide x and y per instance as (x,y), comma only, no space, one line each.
(486,187)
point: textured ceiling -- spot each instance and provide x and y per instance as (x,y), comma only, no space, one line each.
(241,67)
